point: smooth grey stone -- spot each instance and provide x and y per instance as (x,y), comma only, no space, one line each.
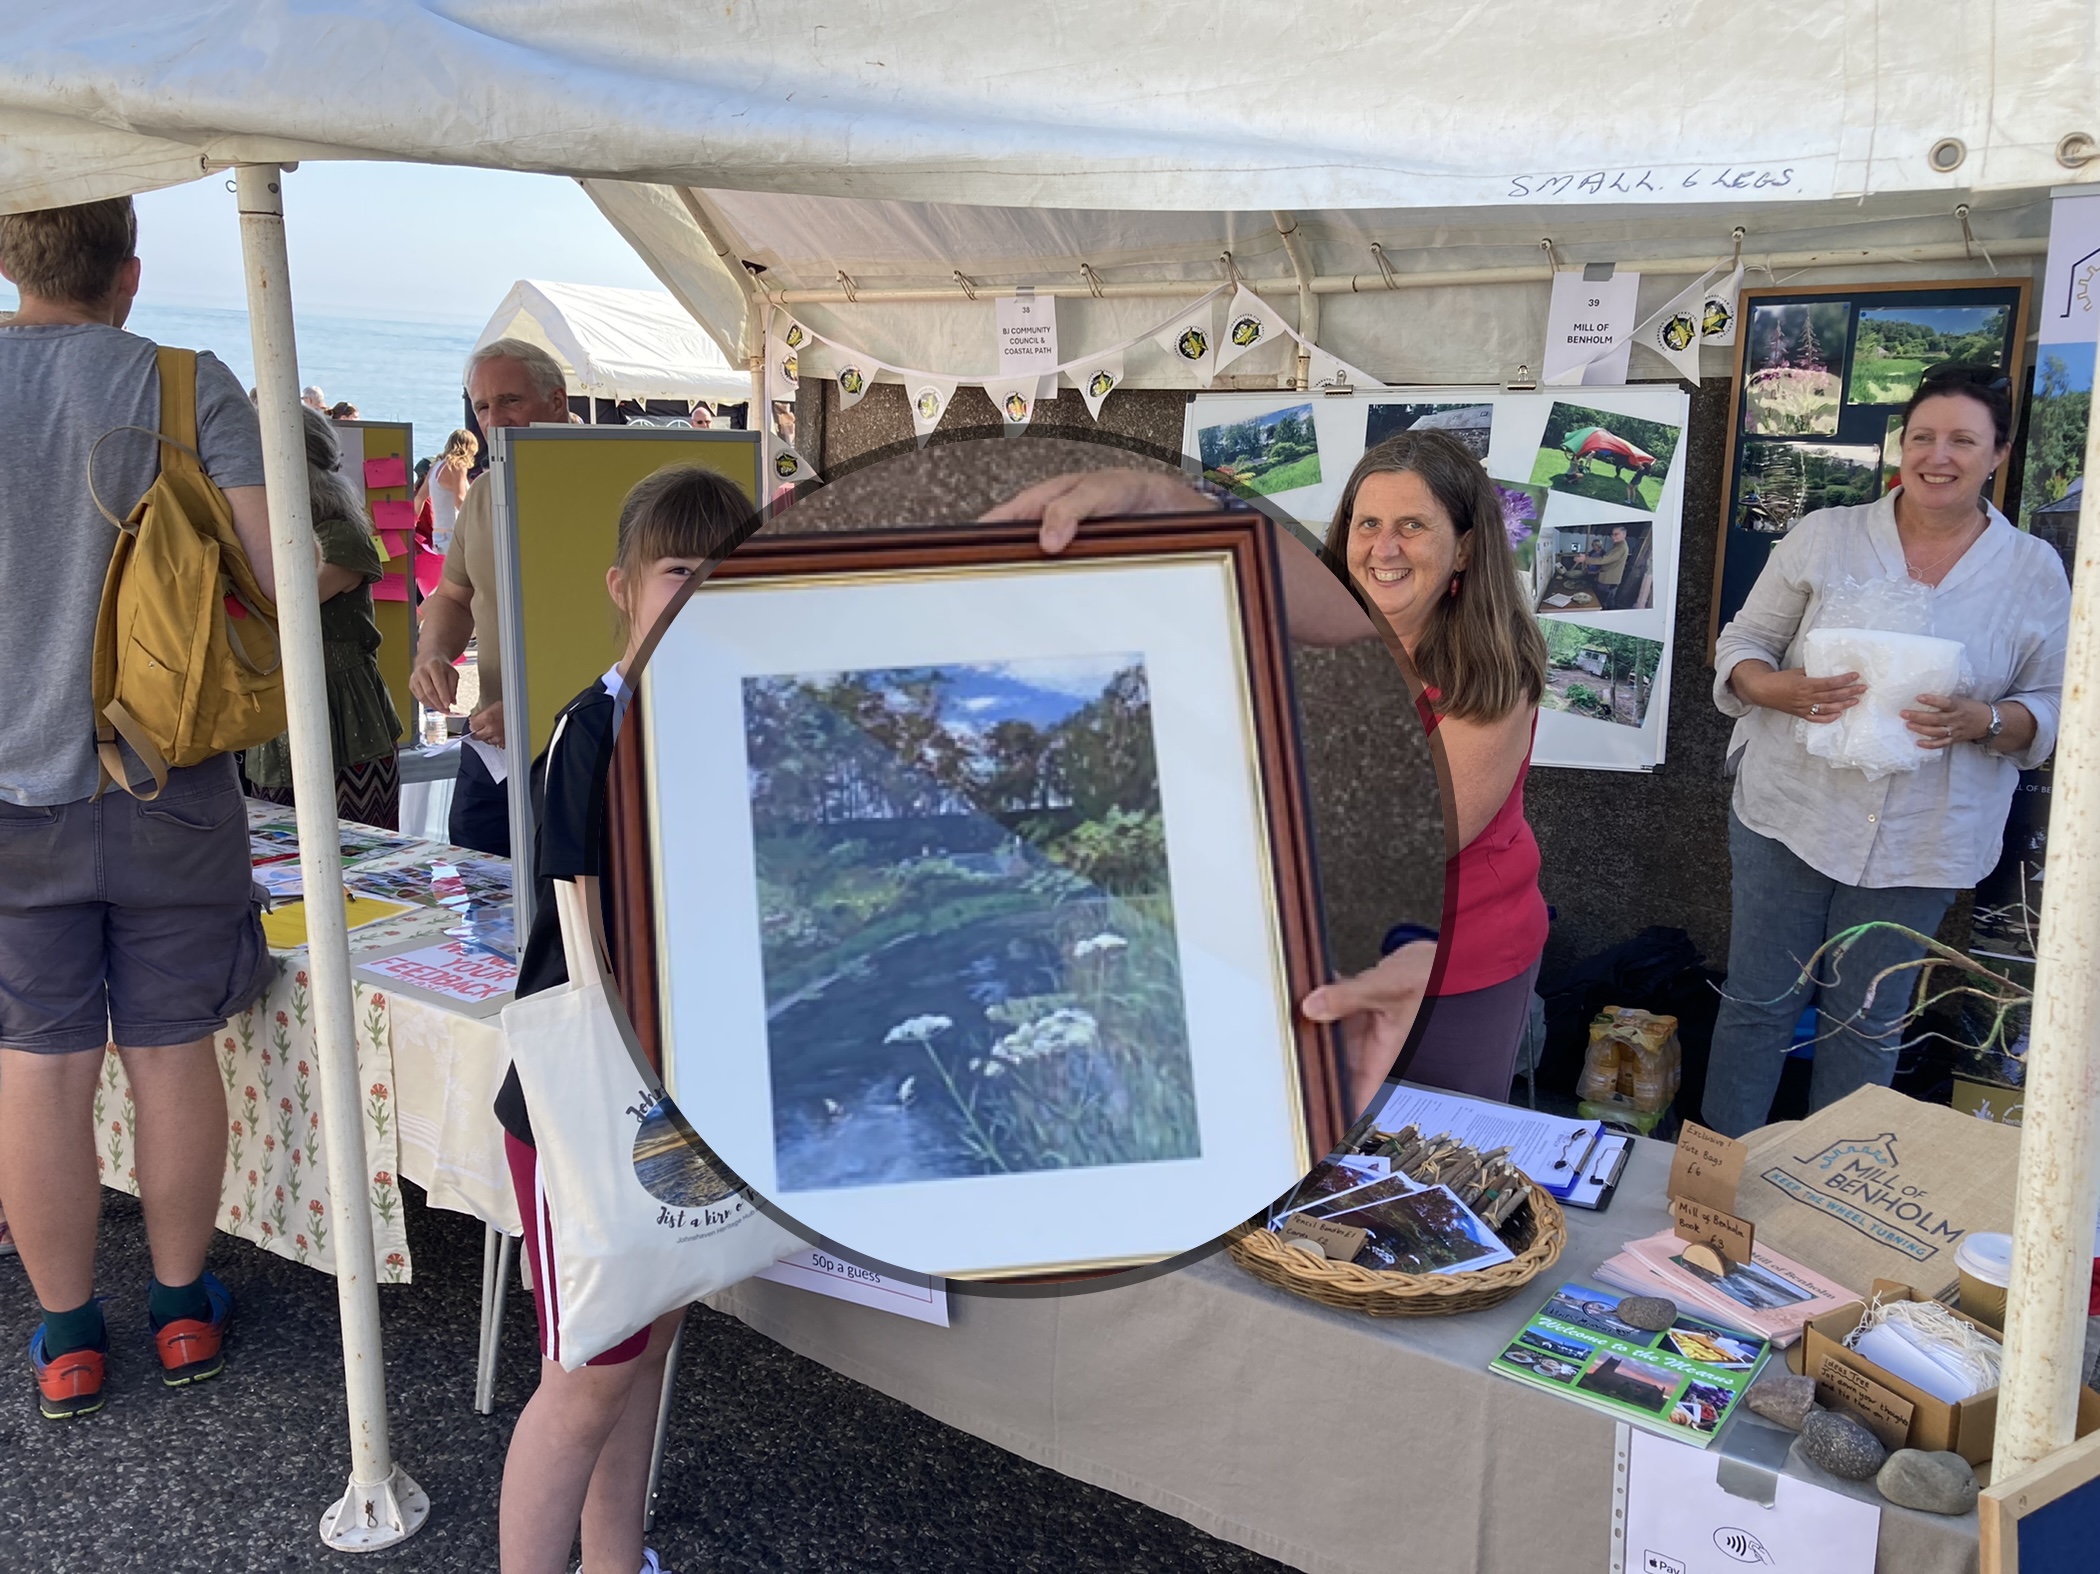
(1841,1445)
(1932,1482)
(1650,1313)
(1783,1397)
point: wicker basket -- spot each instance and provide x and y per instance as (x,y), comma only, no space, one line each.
(1536,1234)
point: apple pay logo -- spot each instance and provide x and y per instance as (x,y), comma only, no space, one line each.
(1656,1563)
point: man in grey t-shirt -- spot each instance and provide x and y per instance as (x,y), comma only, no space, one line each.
(122,921)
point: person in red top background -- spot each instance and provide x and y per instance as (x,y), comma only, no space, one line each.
(1418,538)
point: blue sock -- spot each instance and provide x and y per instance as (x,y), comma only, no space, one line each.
(79,1329)
(167,1304)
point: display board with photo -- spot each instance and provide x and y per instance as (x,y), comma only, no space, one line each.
(1591,495)
(1821,380)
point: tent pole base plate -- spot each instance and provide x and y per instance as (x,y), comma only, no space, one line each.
(371,1519)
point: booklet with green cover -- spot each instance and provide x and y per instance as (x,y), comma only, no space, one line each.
(1683,1382)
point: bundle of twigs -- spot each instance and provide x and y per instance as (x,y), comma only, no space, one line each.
(1487,1183)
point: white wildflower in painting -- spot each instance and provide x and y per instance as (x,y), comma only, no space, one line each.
(1105,943)
(918,1028)
(1066,1028)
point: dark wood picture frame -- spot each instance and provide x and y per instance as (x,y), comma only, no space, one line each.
(1246,540)
(2019,297)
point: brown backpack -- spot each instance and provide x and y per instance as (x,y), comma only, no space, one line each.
(186,656)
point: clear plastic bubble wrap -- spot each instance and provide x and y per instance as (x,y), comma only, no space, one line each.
(1880,629)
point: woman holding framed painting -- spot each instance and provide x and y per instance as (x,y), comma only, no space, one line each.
(1819,849)
(1417,536)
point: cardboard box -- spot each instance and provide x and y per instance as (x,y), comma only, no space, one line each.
(1968,1428)
(1990,1100)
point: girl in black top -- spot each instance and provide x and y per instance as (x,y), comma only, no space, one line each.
(579,1457)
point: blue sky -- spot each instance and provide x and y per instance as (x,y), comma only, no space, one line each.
(2078,363)
(400,241)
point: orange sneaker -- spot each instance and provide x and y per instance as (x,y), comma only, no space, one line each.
(191,1348)
(68,1385)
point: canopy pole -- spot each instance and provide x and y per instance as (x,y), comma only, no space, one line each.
(756,307)
(2056,1198)
(382,1505)
(1308,299)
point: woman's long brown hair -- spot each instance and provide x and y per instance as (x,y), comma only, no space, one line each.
(1482,651)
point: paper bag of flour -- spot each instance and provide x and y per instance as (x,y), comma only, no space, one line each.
(1879,1186)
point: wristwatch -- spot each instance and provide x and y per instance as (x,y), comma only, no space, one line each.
(1997,725)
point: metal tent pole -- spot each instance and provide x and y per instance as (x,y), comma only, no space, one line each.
(382,1505)
(2055,1201)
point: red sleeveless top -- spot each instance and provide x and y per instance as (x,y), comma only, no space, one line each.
(1494,915)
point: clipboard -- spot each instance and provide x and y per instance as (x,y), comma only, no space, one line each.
(1601,1173)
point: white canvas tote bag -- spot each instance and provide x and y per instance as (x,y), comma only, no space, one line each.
(642,1218)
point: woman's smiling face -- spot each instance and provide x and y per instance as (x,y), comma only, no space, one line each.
(1403,549)
(1949,451)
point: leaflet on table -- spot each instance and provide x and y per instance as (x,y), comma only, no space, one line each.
(450,972)
(1770,1295)
(284,928)
(814,1269)
(274,841)
(1683,1382)
(1553,1150)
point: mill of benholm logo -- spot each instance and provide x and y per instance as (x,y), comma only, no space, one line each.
(1858,1181)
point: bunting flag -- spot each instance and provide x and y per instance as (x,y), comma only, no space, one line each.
(1674,331)
(1717,312)
(790,467)
(853,380)
(1014,398)
(929,402)
(1189,340)
(1331,374)
(1097,378)
(782,370)
(795,336)
(1249,324)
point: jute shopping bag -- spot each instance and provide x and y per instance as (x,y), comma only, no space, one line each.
(1879,1186)
(644,1218)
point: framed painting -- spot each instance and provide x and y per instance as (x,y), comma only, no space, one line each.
(984,890)
(1821,378)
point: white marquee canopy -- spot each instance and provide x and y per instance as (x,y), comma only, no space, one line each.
(618,344)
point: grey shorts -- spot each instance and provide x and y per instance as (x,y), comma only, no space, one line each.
(128,922)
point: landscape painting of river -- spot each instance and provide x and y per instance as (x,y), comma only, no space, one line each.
(967,922)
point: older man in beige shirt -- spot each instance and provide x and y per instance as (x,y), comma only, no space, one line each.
(512,383)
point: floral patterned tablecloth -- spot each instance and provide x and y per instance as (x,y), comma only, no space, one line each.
(276,1191)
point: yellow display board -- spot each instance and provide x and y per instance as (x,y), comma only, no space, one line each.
(396,620)
(559,507)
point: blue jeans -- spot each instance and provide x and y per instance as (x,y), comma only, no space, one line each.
(1782,911)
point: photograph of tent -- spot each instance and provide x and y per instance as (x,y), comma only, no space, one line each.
(1265,454)
(1796,368)
(1612,458)
(1894,346)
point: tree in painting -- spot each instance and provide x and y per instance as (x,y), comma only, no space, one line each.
(967,923)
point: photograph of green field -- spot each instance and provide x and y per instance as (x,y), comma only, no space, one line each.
(1277,451)
(1896,345)
(1609,457)
(1795,372)
(966,922)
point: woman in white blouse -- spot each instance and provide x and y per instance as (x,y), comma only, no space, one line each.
(1817,849)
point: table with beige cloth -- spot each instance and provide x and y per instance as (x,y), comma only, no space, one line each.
(1335,1443)
(428,1078)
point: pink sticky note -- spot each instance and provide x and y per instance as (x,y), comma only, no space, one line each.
(430,567)
(390,471)
(391,587)
(396,541)
(393,515)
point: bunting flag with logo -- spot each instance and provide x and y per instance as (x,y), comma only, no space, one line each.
(853,381)
(929,402)
(1249,324)
(782,370)
(1717,312)
(1189,340)
(1673,332)
(790,467)
(1014,399)
(1097,379)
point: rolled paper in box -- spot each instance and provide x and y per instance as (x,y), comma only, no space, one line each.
(1896,668)
(1984,1265)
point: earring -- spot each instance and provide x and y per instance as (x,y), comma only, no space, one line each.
(1455,578)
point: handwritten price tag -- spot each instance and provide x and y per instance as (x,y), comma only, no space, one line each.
(1707,1167)
(1724,1232)
(1885,1414)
